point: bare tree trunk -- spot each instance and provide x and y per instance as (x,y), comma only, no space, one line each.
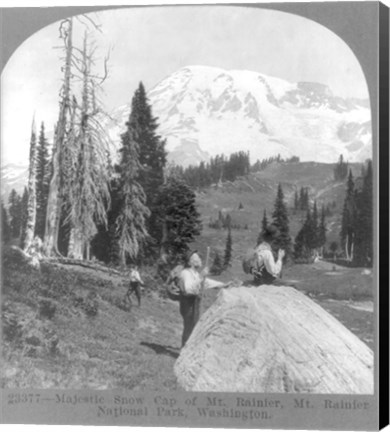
(76,245)
(54,203)
(347,247)
(352,247)
(32,199)
(164,239)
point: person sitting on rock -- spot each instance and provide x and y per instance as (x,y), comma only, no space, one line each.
(267,271)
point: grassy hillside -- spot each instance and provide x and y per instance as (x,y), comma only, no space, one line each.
(257,192)
(66,326)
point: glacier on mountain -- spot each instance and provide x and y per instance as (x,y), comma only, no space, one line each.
(204,111)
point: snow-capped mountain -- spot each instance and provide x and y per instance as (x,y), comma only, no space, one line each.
(205,111)
(13,176)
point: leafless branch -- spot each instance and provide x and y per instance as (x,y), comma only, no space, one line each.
(91,21)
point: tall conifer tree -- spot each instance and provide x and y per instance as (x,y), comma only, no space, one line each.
(178,217)
(321,233)
(23,215)
(32,199)
(228,250)
(348,222)
(264,225)
(364,220)
(152,155)
(131,231)
(42,181)
(5,226)
(280,219)
(15,215)
(313,238)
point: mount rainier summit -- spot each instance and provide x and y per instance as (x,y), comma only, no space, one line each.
(204,111)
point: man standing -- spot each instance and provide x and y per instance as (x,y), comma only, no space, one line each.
(267,271)
(192,282)
(135,284)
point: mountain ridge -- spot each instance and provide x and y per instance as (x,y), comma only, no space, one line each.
(203,111)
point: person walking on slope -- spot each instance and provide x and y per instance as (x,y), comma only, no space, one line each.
(135,284)
(266,270)
(192,281)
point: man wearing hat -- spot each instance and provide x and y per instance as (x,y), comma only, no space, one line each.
(192,282)
(267,270)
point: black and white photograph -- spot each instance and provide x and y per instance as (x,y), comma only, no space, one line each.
(189,212)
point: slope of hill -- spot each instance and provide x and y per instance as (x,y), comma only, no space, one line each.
(257,192)
(205,111)
(246,199)
(66,327)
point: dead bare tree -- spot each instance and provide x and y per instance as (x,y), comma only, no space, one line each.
(54,203)
(80,167)
(31,189)
(88,190)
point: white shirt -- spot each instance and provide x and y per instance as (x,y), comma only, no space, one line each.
(135,277)
(191,282)
(266,258)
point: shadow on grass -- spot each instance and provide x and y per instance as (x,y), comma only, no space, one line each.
(162,349)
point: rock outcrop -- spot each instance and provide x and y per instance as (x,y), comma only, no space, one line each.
(273,339)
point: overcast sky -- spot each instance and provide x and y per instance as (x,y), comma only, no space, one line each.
(149,44)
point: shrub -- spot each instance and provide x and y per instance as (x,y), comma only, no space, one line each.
(47,309)
(12,329)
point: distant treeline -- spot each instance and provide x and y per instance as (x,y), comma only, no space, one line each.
(222,168)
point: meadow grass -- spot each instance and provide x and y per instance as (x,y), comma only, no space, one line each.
(66,327)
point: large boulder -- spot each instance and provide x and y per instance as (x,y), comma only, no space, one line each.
(273,339)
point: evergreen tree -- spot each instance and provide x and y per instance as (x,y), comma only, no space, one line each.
(228,250)
(105,244)
(303,240)
(348,222)
(217,267)
(31,203)
(321,233)
(23,217)
(131,229)
(296,200)
(333,247)
(264,222)
(303,200)
(264,225)
(281,221)
(15,214)
(364,220)
(5,226)
(178,217)
(340,170)
(152,154)
(42,182)
(313,228)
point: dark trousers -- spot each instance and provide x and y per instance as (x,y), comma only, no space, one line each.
(135,287)
(189,310)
